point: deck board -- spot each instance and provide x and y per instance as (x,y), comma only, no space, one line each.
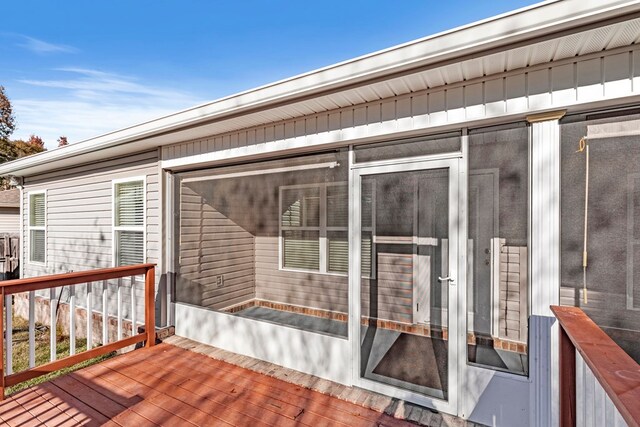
(167,385)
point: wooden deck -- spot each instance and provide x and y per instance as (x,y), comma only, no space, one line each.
(167,385)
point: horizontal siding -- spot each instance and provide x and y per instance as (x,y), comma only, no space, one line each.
(212,245)
(79,222)
(393,287)
(589,78)
(10,220)
(324,291)
(513,305)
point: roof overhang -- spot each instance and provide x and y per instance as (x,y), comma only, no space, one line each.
(540,33)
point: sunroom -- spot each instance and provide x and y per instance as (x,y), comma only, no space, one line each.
(270,241)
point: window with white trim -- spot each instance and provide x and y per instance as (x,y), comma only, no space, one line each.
(37,227)
(314,228)
(128,222)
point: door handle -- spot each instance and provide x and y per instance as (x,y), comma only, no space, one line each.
(447,279)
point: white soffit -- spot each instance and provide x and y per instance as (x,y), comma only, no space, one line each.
(462,54)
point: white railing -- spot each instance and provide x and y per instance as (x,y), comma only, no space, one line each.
(94,282)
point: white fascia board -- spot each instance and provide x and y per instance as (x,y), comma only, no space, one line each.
(502,30)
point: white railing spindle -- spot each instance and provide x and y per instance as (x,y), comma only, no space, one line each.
(8,304)
(32,329)
(105,313)
(72,320)
(134,323)
(55,284)
(52,324)
(119,309)
(89,316)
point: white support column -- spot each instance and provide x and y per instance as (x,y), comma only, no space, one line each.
(544,266)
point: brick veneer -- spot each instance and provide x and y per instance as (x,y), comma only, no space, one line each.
(423,330)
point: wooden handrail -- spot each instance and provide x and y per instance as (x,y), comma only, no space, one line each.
(10,287)
(56,280)
(615,370)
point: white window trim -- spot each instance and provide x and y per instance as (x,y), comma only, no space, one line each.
(115,228)
(322,229)
(30,227)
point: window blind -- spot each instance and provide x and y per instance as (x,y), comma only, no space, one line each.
(129,223)
(129,204)
(301,249)
(338,262)
(129,247)
(36,245)
(36,210)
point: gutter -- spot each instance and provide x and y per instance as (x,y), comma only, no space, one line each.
(499,31)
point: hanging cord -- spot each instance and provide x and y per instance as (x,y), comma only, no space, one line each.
(583,146)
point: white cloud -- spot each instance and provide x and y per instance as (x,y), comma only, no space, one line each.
(90,103)
(41,47)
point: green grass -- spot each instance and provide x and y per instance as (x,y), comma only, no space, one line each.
(21,352)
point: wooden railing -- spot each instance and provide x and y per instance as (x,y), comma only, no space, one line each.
(599,381)
(105,277)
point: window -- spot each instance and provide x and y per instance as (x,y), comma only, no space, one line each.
(37,227)
(315,228)
(128,221)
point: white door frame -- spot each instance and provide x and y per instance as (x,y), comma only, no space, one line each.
(457,324)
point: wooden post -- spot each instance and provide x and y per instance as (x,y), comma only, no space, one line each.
(149,306)
(567,381)
(2,345)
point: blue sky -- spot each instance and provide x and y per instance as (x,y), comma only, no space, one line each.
(82,68)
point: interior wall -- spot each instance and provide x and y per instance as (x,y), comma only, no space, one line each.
(217,262)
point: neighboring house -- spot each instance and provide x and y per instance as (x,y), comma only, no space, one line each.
(10,211)
(399,222)
(9,234)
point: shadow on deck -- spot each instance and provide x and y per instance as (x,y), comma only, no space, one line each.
(168,385)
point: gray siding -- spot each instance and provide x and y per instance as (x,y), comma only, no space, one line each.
(79,220)
(213,247)
(324,291)
(10,220)
(390,295)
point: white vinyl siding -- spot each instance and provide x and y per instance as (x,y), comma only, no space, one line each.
(129,213)
(37,227)
(80,218)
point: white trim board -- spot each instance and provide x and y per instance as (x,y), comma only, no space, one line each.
(317,354)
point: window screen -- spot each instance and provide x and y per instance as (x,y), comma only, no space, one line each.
(268,241)
(608,288)
(497,252)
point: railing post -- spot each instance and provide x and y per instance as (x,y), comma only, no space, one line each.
(2,345)
(567,381)
(149,306)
